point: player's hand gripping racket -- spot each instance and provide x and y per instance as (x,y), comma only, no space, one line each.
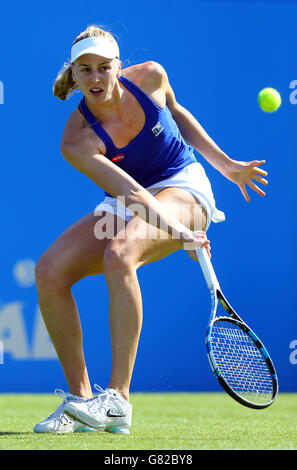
(238,358)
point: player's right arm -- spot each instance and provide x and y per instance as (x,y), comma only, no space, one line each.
(85,154)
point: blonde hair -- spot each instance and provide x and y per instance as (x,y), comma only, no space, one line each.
(65,84)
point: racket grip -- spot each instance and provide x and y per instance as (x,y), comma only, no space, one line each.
(207,268)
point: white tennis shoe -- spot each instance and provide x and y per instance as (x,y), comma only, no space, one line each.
(58,422)
(108,411)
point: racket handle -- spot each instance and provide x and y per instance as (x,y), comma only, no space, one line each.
(207,268)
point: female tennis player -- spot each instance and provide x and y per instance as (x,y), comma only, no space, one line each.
(132,138)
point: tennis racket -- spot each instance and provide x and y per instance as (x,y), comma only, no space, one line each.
(237,357)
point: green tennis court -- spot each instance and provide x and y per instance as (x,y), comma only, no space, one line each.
(160,421)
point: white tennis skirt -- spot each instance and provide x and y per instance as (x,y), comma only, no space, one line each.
(192,178)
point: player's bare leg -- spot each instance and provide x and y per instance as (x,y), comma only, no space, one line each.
(74,255)
(121,260)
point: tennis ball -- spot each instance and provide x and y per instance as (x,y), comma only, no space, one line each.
(269,100)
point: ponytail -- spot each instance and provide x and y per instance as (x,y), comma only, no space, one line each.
(64,83)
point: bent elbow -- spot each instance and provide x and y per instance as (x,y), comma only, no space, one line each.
(64,149)
(70,156)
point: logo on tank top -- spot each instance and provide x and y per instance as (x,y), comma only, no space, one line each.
(157,129)
(118,158)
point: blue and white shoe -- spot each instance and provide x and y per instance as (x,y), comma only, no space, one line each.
(108,411)
(58,422)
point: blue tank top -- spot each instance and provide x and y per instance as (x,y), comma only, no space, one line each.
(157,152)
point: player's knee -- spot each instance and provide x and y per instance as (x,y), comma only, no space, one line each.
(47,272)
(117,257)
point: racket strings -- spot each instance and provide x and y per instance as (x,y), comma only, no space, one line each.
(240,362)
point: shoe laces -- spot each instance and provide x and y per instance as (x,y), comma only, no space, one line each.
(58,415)
(101,401)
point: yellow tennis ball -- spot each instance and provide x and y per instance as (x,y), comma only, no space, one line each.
(269,100)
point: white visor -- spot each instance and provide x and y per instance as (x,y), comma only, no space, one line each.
(99,46)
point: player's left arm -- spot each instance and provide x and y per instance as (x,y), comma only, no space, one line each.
(193,132)
(241,173)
